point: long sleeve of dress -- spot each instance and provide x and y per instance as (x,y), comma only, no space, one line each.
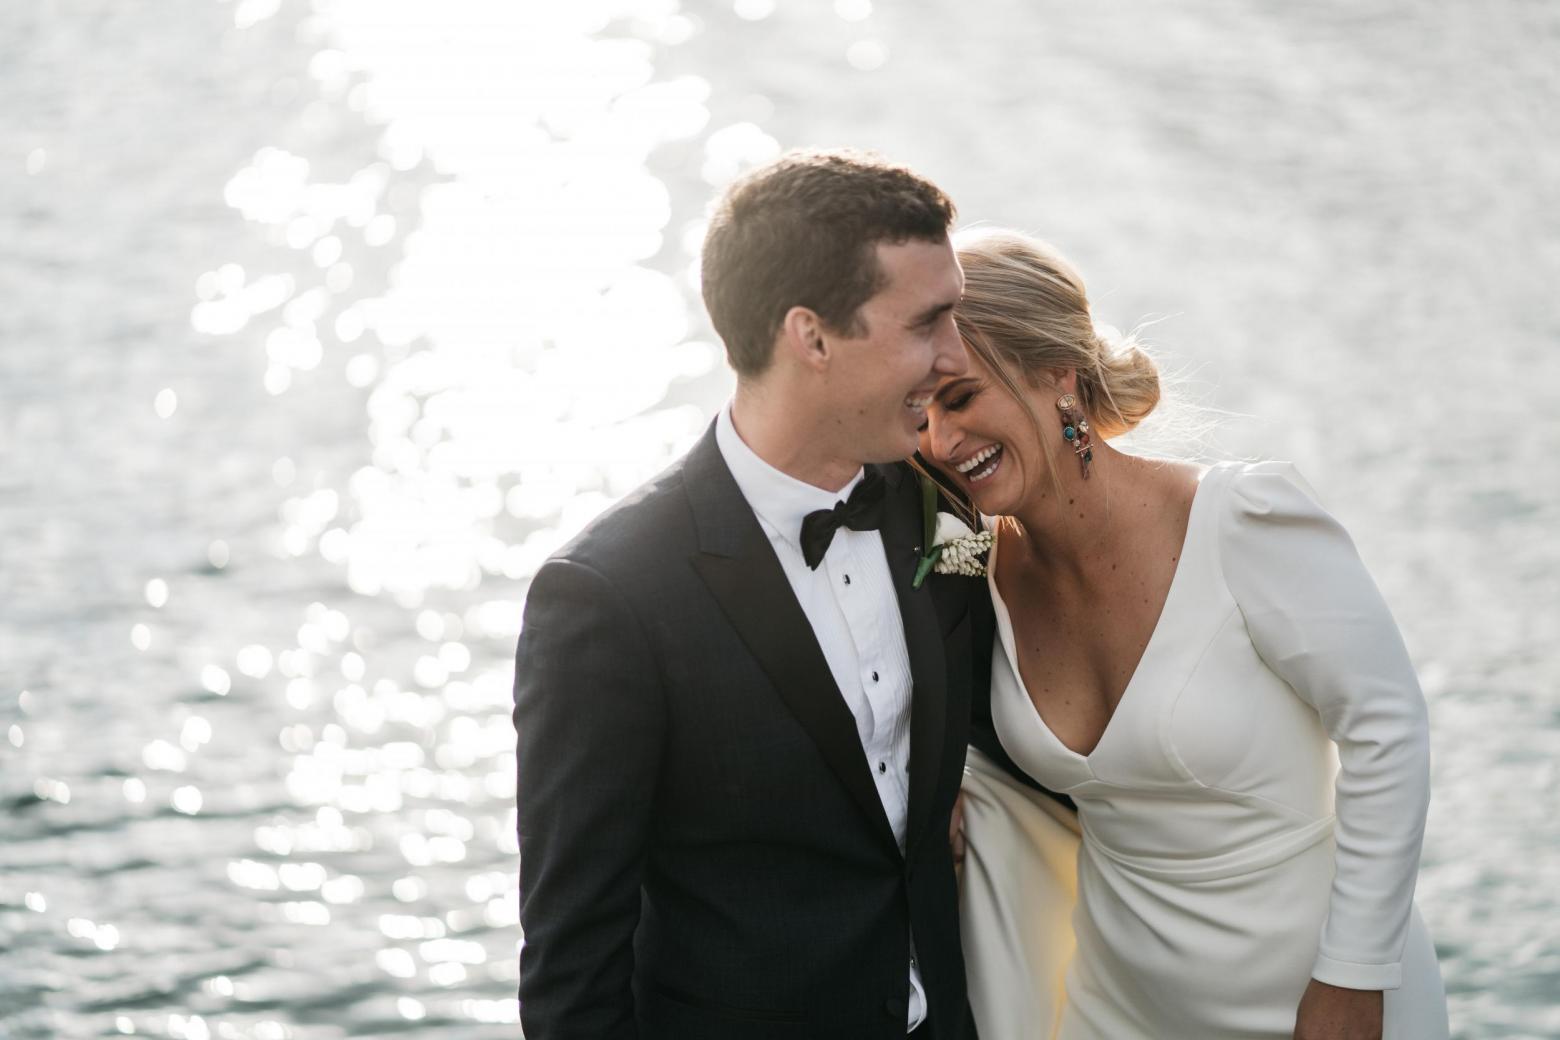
(1319,622)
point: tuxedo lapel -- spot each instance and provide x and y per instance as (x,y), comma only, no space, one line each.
(739,566)
(902,537)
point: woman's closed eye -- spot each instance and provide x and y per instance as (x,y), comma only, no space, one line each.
(958,402)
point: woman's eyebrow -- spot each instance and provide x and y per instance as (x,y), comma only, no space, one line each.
(947,388)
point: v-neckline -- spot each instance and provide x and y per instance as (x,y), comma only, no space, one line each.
(1006,638)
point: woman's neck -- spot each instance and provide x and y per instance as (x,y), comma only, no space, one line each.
(1076,530)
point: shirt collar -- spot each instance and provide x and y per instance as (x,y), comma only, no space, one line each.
(780,500)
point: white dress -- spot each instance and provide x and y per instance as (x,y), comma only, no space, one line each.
(1250,819)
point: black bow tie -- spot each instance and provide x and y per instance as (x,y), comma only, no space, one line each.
(862,511)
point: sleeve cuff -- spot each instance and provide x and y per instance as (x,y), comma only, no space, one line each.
(1350,975)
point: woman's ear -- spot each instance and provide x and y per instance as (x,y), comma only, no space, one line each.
(1062,380)
(802,337)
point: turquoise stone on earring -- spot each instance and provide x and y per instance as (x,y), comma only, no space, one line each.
(1075,431)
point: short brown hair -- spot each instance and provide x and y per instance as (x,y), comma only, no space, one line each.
(803,231)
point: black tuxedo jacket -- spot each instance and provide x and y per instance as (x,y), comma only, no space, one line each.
(703,852)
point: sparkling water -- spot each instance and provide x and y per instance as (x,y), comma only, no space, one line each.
(322,324)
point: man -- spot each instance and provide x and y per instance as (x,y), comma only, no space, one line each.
(741,729)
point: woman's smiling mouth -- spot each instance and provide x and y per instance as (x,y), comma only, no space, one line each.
(981,465)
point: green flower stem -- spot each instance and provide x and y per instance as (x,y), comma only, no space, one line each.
(925,566)
(929,494)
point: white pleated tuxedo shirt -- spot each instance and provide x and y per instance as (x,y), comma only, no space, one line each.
(850,604)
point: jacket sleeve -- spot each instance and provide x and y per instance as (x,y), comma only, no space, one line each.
(589,720)
(1318,620)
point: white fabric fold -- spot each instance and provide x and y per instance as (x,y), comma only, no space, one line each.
(1017,891)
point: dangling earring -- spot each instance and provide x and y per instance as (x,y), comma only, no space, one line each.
(1075,428)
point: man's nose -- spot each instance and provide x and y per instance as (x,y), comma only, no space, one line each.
(952,359)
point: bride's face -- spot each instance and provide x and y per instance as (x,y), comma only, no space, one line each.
(983,440)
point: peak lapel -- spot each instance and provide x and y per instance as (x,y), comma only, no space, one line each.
(741,570)
(923,639)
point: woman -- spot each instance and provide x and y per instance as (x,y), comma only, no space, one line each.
(1180,649)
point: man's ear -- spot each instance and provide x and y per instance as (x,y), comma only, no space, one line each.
(803,337)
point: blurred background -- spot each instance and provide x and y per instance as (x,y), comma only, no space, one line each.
(323,323)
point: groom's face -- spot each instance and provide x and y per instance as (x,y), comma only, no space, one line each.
(908,343)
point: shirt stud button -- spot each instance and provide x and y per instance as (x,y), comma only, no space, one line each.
(882,767)
(874,677)
(847,579)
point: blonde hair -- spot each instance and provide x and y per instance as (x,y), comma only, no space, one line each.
(1025,310)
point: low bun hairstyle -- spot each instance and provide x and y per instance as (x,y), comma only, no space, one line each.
(1025,310)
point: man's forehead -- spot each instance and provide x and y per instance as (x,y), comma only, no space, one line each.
(919,269)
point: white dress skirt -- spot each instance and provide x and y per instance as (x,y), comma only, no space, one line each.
(1250,819)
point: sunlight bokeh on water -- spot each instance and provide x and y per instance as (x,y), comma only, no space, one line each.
(326,322)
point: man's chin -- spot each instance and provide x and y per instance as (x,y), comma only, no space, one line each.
(909,439)
(900,448)
(890,443)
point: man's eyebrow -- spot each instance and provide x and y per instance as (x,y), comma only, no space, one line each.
(931,314)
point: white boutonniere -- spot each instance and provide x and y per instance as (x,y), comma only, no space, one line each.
(952,548)
(962,551)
